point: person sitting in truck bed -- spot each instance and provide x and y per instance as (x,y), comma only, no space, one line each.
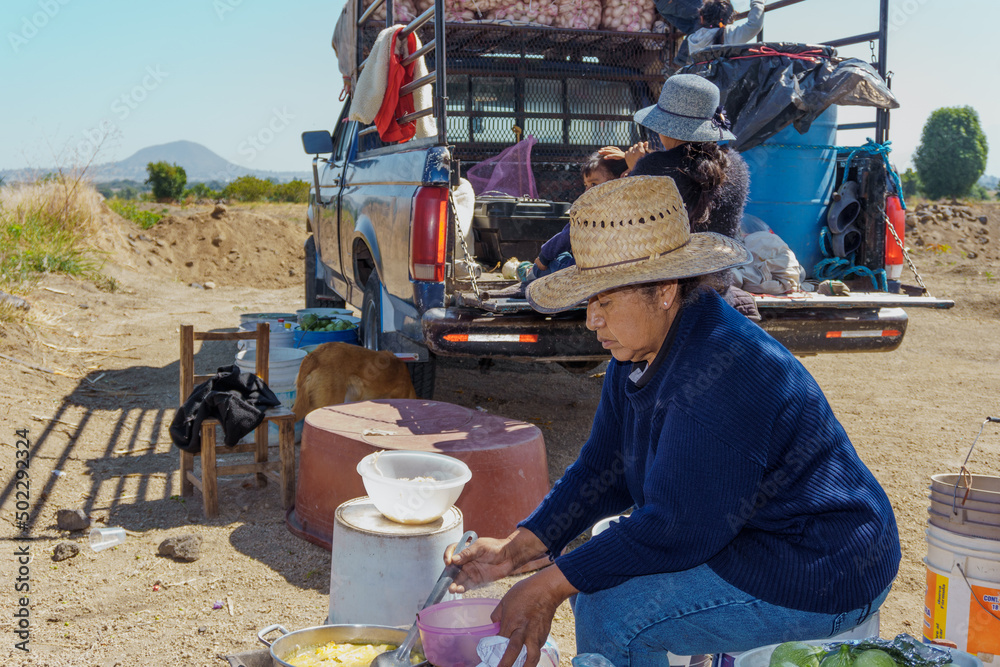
(716,20)
(555,253)
(713,180)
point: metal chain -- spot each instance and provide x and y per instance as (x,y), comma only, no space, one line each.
(906,255)
(469,257)
(871,45)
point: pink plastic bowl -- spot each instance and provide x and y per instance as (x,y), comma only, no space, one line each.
(450,631)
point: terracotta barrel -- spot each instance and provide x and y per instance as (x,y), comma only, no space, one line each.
(506,456)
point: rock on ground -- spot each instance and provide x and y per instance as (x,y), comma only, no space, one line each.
(68,519)
(182,547)
(64,550)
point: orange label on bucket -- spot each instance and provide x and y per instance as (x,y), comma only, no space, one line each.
(935,605)
(984,620)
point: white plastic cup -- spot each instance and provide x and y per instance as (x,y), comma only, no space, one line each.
(105,538)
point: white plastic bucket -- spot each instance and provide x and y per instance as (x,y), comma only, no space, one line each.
(962,598)
(282,366)
(382,571)
(279,335)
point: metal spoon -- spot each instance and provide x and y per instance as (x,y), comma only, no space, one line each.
(401,656)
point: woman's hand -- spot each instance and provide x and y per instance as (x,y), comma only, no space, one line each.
(635,153)
(525,613)
(488,559)
(611,153)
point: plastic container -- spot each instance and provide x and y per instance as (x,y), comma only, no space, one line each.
(985,488)
(279,335)
(302,338)
(282,366)
(760,657)
(382,571)
(791,184)
(450,631)
(963,524)
(105,538)
(413,487)
(253,317)
(962,598)
(321,312)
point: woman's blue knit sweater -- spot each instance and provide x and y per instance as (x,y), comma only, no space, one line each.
(732,457)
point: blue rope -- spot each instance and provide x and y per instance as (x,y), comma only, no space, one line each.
(839,268)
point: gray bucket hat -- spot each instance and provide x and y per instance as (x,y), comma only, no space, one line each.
(688,110)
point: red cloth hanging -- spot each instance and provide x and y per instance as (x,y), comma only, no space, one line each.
(395,105)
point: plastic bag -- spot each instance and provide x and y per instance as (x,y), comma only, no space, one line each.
(491,650)
(628,15)
(508,173)
(764,87)
(774,269)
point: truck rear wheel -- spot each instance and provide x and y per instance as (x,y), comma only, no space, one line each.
(315,287)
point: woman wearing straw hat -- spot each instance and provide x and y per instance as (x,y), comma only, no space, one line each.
(754,520)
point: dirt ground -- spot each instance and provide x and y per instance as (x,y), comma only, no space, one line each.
(92,375)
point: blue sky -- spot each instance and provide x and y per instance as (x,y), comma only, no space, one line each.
(246,77)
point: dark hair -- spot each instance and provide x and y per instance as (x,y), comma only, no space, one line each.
(595,162)
(714,12)
(689,288)
(708,171)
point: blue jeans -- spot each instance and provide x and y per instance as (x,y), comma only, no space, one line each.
(692,612)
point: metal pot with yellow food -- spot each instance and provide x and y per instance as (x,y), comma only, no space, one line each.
(334,645)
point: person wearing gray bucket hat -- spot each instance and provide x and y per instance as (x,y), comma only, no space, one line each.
(688,110)
(744,489)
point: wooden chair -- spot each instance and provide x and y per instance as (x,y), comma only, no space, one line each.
(282,471)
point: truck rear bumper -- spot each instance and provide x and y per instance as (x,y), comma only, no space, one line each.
(468,332)
(822,330)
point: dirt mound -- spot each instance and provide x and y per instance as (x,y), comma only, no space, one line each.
(240,247)
(970,232)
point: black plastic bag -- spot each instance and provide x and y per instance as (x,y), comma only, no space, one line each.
(765,87)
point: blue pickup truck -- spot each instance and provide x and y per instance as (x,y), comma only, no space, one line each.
(385,234)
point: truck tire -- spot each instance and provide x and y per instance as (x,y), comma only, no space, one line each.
(315,287)
(422,375)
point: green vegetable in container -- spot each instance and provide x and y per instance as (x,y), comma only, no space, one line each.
(874,658)
(799,654)
(839,658)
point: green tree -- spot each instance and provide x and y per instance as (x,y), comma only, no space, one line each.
(202,191)
(167,180)
(978,192)
(952,152)
(295,191)
(911,183)
(248,188)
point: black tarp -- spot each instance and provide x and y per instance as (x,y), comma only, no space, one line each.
(766,86)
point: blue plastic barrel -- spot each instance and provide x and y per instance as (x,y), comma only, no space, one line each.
(791,184)
(304,338)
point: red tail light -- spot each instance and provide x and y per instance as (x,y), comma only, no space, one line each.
(897,218)
(429,234)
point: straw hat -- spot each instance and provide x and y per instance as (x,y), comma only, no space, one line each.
(629,231)
(688,110)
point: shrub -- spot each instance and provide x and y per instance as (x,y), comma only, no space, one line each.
(202,191)
(43,227)
(295,191)
(248,188)
(167,180)
(130,211)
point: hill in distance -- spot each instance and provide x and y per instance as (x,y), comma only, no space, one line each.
(199,163)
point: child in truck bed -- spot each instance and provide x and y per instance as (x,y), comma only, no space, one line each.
(555,254)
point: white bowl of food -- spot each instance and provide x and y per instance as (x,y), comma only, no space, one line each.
(413,487)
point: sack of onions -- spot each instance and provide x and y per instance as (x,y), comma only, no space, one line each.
(628,15)
(578,14)
(542,12)
(404,11)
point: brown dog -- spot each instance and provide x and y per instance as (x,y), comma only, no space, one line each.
(336,373)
